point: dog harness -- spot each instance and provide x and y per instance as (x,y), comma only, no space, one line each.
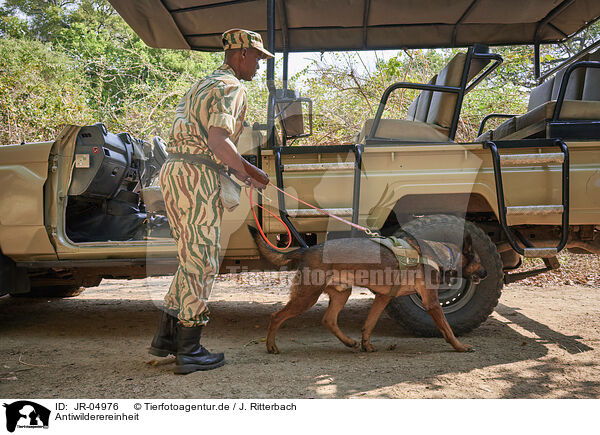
(406,255)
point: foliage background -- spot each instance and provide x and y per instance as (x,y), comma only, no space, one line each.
(76,61)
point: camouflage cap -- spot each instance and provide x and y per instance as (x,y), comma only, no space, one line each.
(240,38)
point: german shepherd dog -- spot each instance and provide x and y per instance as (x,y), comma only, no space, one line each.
(336,265)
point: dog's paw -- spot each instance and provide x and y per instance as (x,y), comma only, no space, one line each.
(272,348)
(353,344)
(368,347)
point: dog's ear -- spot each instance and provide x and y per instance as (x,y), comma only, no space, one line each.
(467,243)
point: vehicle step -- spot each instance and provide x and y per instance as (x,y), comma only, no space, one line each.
(532,159)
(534,210)
(309,212)
(540,252)
(336,166)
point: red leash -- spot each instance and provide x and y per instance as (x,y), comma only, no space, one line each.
(249,194)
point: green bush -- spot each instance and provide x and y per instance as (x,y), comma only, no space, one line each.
(77,61)
(40,90)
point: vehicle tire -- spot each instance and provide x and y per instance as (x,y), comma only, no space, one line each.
(466,305)
(58,291)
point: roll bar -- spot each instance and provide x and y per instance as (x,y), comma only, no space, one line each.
(461,90)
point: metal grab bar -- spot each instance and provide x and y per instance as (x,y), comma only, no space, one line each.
(405,85)
(497,61)
(460,90)
(569,61)
(301,167)
(565,82)
(530,250)
(491,116)
(327,149)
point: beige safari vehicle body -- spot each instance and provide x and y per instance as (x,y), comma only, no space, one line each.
(87,206)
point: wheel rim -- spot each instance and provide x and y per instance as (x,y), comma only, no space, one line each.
(451,299)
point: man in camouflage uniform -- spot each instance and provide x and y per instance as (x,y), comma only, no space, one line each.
(208,122)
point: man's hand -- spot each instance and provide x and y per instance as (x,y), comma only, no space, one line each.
(257,176)
(249,181)
(220,144)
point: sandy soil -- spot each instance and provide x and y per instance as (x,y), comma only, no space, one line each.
(539,343)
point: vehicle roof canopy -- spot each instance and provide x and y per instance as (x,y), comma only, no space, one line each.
(318,25)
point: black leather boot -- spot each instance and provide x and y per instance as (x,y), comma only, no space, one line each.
(164,342)
(191,355)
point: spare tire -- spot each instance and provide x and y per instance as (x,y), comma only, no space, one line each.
(466,305)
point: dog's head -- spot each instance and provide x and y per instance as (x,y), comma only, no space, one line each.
(465,261)
(470,262)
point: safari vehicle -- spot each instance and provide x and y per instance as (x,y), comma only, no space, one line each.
(86,207)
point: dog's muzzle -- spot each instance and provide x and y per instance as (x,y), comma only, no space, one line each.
(481,275)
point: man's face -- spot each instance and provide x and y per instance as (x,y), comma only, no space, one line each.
(250,63)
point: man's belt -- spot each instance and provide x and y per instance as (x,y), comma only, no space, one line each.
(198,160)
(229,190)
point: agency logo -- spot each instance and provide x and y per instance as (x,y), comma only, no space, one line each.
(27,415)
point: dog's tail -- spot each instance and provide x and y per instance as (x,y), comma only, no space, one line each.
(270,254)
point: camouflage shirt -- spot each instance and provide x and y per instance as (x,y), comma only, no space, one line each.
(218,100)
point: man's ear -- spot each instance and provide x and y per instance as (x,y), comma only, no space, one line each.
(244,52)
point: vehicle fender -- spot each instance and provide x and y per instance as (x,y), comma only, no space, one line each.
(456,199)
(13,279)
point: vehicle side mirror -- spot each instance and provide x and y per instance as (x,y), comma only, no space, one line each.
(289,111)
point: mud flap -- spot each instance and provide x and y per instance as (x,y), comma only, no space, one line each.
(13,279)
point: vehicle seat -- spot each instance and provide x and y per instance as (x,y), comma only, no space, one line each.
(582,102)
(430,115)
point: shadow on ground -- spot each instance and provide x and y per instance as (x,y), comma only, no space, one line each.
(97,348)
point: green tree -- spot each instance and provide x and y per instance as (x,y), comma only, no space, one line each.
(347,92)
(40,91)
(116,79)
(35,19)
(125,84)
(131,85)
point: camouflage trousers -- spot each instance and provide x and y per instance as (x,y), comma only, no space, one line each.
(194,209)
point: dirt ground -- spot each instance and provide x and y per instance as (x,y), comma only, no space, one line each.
(541,342)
